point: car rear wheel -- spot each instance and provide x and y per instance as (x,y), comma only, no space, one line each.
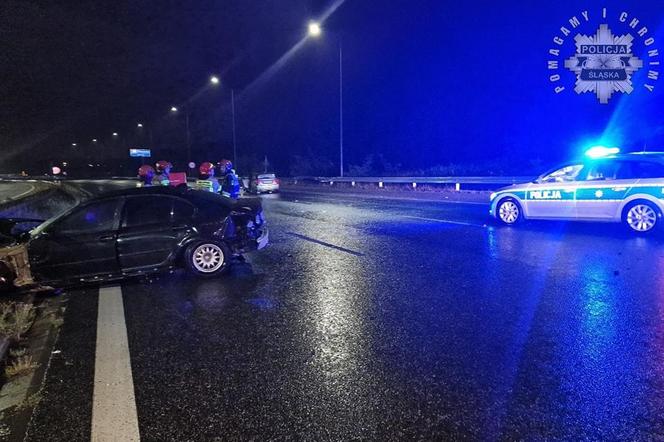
(641,217)
(508,211)
(207,259)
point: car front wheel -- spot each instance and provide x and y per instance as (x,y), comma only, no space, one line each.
(207,259)
(641,217)
(508,211)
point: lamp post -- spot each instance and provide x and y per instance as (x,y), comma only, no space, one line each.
(140,127)
(315,30)
(187,132)
(215,81)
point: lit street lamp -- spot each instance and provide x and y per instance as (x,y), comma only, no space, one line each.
(73,144)
(315,30)
(94,140)
(214,79)
(115,134)
(139,125)
(174,109)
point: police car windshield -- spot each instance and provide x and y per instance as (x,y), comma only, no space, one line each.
(562,175)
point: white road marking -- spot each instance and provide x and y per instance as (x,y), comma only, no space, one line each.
(114,416)
(461,223)
(20,195)
(26,192)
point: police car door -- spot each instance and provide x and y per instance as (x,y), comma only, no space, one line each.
(553,195)
(602,186)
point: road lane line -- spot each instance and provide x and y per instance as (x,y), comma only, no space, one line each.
(26,192)
(114,416)
(20,195)
(461,223)
(326,244)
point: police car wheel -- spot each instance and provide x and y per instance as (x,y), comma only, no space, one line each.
(207,259)
(509,211)
(641,216)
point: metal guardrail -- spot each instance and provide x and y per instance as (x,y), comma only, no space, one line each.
(414,181)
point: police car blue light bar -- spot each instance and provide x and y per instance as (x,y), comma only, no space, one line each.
(601,151)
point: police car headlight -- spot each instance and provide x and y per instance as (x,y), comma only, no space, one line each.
(492,196)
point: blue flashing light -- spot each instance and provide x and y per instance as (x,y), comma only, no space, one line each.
(601,151)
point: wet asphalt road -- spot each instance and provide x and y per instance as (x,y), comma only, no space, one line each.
(386,320)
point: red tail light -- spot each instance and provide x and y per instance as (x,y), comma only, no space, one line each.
(256,182)
(277,180)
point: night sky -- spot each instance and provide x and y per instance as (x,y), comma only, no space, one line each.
(425,83)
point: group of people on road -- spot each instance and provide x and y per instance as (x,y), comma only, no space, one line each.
(228,183)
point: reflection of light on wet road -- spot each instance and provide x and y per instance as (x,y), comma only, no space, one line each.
(599,372)
(333,319)
(335,322)
(598,328)
(507,244)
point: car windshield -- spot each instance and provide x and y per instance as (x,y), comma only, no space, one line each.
(268,176)
(562,175)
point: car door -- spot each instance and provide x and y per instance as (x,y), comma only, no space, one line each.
(553,195)
(152,228)
(602,187)
(81,244)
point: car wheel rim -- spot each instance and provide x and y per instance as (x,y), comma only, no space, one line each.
(641,218)
(509,212)
(208,258)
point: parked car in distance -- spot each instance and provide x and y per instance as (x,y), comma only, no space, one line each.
(265,183)
(132,232)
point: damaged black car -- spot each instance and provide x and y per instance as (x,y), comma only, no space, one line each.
(128,233)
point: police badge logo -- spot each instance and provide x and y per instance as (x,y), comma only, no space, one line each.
(604,63)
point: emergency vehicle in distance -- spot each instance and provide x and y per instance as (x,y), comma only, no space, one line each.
(606,186)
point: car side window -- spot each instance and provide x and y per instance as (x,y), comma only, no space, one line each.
(647,169)
(155,210)
(95,217)
(563,175)
(602,170)
(182,211)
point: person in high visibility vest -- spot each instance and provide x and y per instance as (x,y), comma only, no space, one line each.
(163,172)
(145,176)
(230,183)
(206,179)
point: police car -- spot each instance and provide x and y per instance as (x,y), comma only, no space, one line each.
(627,188)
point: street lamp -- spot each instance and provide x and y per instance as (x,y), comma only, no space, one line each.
(315,30)
(73,144)
(115,134)
(187,132)
(94,140)
(215,81)
(139,125)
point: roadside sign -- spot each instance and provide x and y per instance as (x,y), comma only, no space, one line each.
(140,153)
